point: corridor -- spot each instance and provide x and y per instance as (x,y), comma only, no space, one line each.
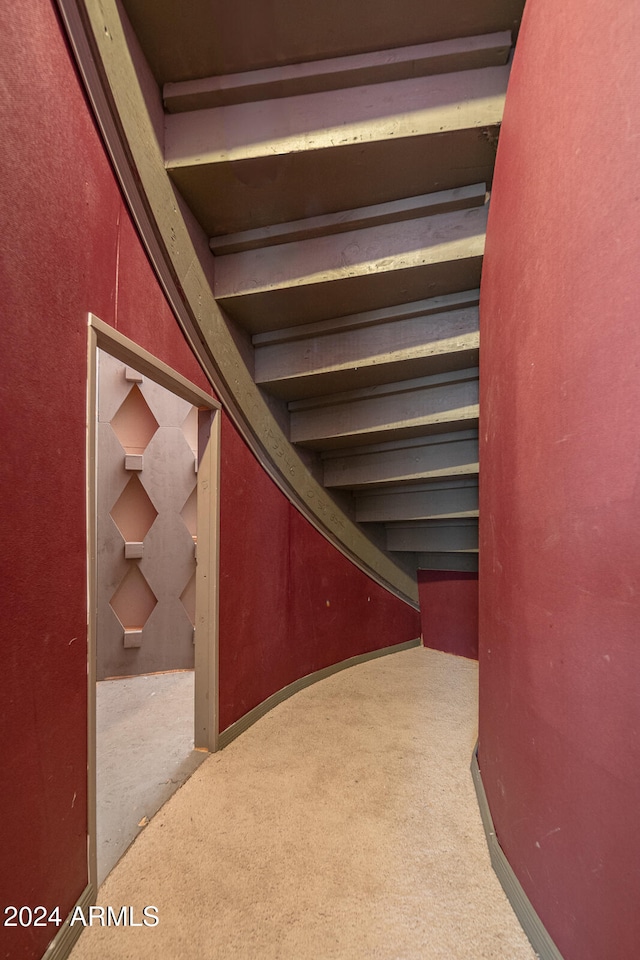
(342,826)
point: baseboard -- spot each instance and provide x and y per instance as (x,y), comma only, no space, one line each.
(225,738)
(60,946)
(522,907)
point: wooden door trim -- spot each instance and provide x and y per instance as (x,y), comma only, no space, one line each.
(102,336)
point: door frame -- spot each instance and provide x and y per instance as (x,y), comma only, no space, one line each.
(206,726)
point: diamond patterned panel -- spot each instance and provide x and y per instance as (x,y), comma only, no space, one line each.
(188,599)
(146,475)
(134,424)
(133,512)
(134,600)
(190,430)
(189,513)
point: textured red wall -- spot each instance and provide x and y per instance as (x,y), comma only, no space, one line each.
(69,248)
(290,604)
(560,465)
(449,611)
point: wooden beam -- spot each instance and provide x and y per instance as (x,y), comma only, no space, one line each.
(423,501)
(435,404)
(408,208)
(401,461)
(464,562)
(250,165)
(369,318)
(364,269)
(381,66)
(365,356)
(404,108)
(442,536)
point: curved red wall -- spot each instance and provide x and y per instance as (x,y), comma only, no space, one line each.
(449,611)
(69,248)
(290,603)
(560,476)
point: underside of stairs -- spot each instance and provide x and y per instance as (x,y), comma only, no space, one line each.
(338,158)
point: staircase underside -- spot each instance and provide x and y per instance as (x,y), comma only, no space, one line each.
(333,162)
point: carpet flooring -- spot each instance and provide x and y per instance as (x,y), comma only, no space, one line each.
(341,826)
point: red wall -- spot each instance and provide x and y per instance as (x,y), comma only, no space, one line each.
(449,611)
(290,604)
(560,462)
(69,248)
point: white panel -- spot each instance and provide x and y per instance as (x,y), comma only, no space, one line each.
(168,409)
(165,558)
(168,488)
(113,387)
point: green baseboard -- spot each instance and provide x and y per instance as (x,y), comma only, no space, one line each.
(225,738)
(530,922)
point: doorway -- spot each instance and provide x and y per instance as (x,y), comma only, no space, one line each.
(152,521)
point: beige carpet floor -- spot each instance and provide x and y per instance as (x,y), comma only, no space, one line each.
(342,826)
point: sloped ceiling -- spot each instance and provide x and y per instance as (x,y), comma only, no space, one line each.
(335,161)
